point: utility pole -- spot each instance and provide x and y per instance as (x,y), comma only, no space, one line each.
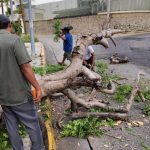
(31,27)
(108,9)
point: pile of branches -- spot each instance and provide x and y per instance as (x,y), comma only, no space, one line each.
(116,59)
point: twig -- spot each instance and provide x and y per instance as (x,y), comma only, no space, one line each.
(118,138)
(92,95)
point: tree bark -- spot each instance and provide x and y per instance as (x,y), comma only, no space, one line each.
(134,91)
(114,116)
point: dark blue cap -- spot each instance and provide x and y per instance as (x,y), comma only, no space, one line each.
(67,28)
(4,19)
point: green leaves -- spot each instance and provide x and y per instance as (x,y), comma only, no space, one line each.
(83,128)
(17,27)
(123,92)
(146,109)
(146,94)
(102,69)
(4,139)
(48,69)
(57,30)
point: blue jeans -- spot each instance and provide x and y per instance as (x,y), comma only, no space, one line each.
(27,114)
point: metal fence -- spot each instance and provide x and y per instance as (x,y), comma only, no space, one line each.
(130,5)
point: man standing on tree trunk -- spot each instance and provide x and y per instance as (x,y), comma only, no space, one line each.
(16,99)
(67,43)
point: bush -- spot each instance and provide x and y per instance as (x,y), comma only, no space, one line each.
(17,27)
(26,38)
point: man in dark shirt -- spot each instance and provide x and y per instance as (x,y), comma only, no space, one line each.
(67,43)
(16,99)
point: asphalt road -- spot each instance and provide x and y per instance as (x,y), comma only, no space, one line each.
(135,47)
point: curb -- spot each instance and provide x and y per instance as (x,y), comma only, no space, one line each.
(49,128)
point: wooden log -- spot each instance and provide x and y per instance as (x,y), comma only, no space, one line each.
(114,116)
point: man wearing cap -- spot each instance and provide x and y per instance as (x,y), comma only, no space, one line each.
(67,43)
(16,99)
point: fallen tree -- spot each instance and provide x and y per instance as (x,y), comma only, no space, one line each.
(77,75)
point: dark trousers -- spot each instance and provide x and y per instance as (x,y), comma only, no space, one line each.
(27,114)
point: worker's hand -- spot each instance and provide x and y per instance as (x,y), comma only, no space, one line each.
(37,94)
(84,62)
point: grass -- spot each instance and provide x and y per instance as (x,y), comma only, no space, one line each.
(47,69)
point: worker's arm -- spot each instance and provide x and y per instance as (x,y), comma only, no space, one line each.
(63,37)
(28,73)
(91,50)
(93,60)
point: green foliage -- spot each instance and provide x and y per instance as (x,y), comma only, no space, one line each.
(22,130)
(48,69)
(17,27)
(57,30)
(67,111)
(26,38)
(83,128)
(146,109)
(109,122)
(102,69)
(4,140)
(122,92)
(146,94)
